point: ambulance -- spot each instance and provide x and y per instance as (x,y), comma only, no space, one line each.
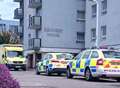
(96,63)
(12,56)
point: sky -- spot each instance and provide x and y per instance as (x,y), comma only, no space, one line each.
(7,9)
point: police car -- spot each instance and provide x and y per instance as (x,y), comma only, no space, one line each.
(53,63)
(95,63)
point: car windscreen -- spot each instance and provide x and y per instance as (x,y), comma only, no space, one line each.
(14,53)
(65,56)
(111,54)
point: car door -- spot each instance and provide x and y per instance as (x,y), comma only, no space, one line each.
(75,63)
(85,61)
(45,59)
(94,56)
(41,68)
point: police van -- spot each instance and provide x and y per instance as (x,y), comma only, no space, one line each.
(96,63)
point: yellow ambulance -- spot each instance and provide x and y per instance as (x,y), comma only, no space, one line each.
(12,56)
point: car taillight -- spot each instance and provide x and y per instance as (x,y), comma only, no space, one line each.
(63,62)
(55,61)
(100,61)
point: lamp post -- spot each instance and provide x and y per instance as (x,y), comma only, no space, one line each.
(97,22)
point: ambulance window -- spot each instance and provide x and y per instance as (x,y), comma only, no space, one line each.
(86,55)
(95,54)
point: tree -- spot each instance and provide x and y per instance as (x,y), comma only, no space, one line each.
(9,38)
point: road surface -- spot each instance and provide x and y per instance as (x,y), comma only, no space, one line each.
(28,79)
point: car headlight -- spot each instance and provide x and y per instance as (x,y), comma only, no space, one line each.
(25,61)
(10,62)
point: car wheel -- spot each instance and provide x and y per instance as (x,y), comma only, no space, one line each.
(16,69)
(59,74)
(24,68)
(118,79)
(69,75)
(47,71)
(37,71)
(88,75)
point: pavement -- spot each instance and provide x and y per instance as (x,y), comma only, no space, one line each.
(28,79)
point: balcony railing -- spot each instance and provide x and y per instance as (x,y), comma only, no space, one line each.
(35,3)
(34,43)
(18,0)
(18,13)
(35,22)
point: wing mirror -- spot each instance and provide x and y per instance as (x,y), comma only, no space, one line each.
(3,56)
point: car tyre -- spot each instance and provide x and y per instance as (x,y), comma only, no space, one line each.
(37,72)
(69,75)
(24,68)
(47,71)
(59,74)
(88,75)
(118,79)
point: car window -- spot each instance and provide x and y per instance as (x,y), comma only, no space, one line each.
(60,56)
(86,55)
(78,56)
(45,57)
(69,57)
(111,54)
(50,56)
(94,54)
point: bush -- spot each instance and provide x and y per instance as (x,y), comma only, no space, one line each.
(6,80)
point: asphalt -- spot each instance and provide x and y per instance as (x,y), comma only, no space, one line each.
(28,79)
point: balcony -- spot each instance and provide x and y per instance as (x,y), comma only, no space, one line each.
(18,13)
(35,3)
(18,0)
(20,29)
(34,43)
(35,22)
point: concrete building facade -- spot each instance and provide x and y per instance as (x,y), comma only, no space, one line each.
(109,25)
(53,26)
(67,25)
(19,14)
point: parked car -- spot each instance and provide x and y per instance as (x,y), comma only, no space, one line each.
(95,63)
(53,63)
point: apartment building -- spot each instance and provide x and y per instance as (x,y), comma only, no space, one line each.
(9,26)
(109,25)
(53,26)
(19,14)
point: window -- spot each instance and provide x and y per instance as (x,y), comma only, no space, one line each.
(30,21)
(103,32)
(80,37)
(50,56)
(94,10)
(80,15)
(14,53)
(95,54)
(86,55)
(78,56)
(104,6)
(2,27)
(111,54)
(93,34)
(13,28)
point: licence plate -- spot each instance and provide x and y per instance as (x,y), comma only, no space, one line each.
(18,66)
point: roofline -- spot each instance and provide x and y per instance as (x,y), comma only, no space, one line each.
(10,45)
